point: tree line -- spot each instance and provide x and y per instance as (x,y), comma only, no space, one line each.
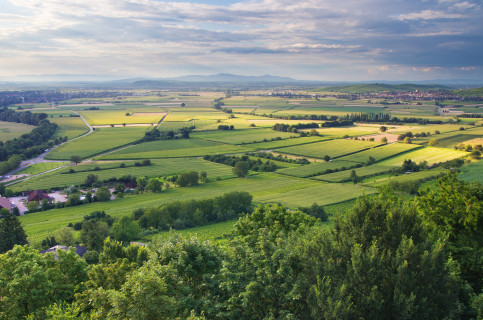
(386,258)
(25,117)
(254,165)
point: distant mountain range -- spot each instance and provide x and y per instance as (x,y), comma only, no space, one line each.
(220,81)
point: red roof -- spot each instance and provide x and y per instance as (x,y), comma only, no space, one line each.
(5,203)
(37,195)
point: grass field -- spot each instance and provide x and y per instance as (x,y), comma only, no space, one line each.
(102,139)
(69,126)
(381,152)
(430,154)
(322,194)
(12,130)
(317,168)
(266,188)
(106,117)
(212,232)
(41,167)
(163,167)
(239,136)
(286,142)
(406,177)
(472,172)
(361,173)
(332,148)
(174,149)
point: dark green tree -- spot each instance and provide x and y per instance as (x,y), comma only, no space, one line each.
(91,179)
(76,159)
(455,207)
(11,231)
(241,168)
(379,261)
(125,229)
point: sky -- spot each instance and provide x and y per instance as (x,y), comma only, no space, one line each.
(326,40)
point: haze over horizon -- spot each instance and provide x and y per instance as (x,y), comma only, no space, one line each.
(308,40)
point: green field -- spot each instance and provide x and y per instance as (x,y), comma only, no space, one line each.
(239,136)
(164,167)
(107,117)
(406,177)
(332,148)
(69,126)
(381,153)
(472,172)
(316,168)
(41,167)
(12,130)
(362,172)
(212,232)
(430,154)
(100,140)
(265,188)
(322,194)
(174,149)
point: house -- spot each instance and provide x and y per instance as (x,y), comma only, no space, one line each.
(5,203)
(38,196)
(80,250)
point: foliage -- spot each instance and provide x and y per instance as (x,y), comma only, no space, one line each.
(125,230)
(186,214)
(379,262)
(455,207)
(255,165)
(241,168)
(93,234)
(31,281)
(11,231)
(186,179)
(102,194)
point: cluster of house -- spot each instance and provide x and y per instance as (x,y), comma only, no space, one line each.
(18,202)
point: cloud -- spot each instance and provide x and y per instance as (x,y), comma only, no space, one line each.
(429,15)
(150,37)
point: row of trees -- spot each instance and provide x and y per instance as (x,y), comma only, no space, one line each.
(31,144)
(254,165)
(26,117)
(188,214)
(387,258)
(283,127)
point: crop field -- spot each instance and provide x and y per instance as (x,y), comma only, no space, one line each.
(212,232)
(381,153)
(107,117)
(449,141)
(69,126)
(337,110)
(242,135)
(317,168)
(406,177)
(323,194)
(163,167)
(286,142)
(176,125)
(99,141)
(472,172)
(362,172)
(195,115)
(41,167)
(429,128)
(11,130)
(430,154)
(174,149)
(351,131)
(264,187)
(332,148)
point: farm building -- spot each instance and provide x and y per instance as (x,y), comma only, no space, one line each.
(38,196)
(5,203)
(80,250)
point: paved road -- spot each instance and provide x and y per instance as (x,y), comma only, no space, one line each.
(39,159)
